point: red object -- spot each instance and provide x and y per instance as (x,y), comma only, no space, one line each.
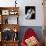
(29,33)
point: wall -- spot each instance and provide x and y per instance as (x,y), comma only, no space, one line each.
(39,13)
(22,21)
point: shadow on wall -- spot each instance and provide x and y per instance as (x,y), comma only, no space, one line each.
(37,29)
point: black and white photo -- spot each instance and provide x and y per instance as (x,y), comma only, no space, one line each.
(30,12)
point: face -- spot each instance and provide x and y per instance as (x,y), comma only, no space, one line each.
(29,11)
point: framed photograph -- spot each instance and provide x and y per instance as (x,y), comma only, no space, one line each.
(9,34)
(13,12)
(6,34)
(30,12)
(10,19)
(5,12)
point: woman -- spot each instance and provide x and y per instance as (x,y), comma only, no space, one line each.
(30,38)
(30,14)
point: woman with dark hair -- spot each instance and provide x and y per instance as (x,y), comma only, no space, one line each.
(30,14)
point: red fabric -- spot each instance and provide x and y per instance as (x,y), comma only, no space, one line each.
(29,33)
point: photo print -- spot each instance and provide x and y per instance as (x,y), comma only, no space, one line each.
(30,12)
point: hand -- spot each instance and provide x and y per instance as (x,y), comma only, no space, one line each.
(32,41)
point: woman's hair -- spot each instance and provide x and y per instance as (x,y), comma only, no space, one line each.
(29,10)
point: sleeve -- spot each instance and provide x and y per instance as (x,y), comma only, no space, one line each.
(22,43)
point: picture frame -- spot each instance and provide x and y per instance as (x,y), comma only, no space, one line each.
(10,19)
(13,12)
(9,34)
(5,12)
(30,12)
(6,34)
